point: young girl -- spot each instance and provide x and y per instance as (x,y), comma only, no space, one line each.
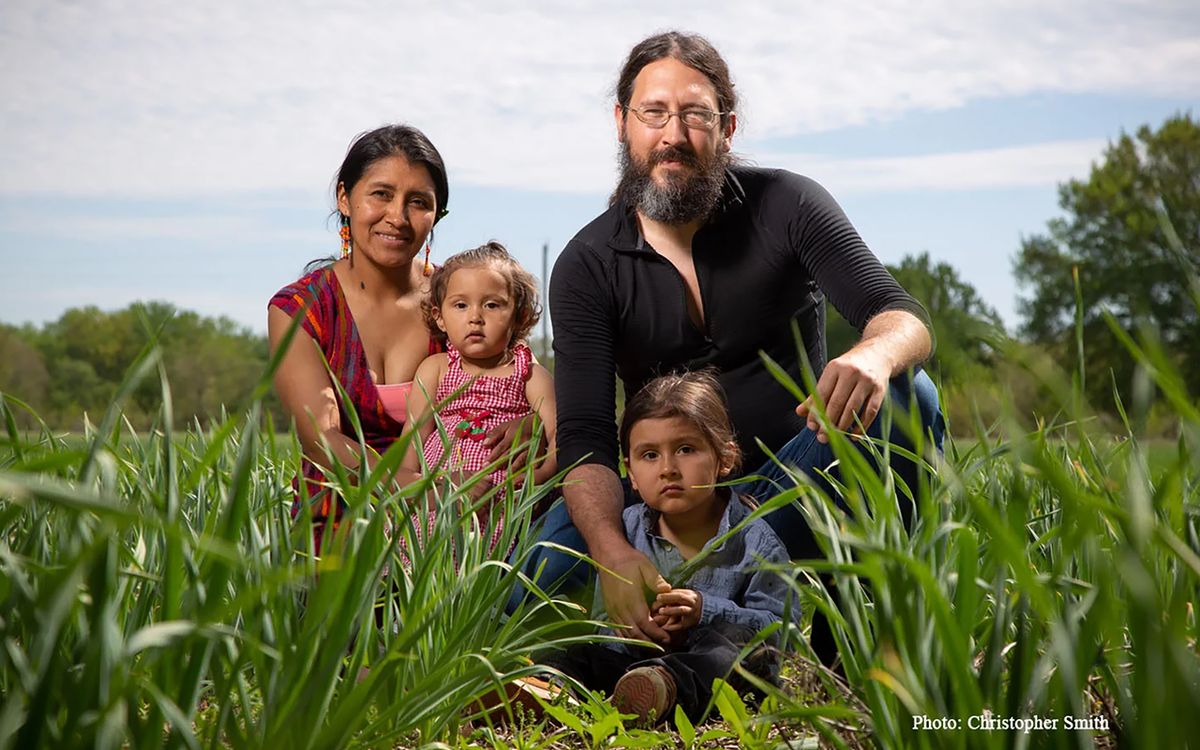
(481,306)
(678,443)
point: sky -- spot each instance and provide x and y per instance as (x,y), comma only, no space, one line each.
(185,151)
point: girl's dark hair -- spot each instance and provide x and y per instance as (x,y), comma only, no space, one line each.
(693,51)
(394,140)
(695,396)
(527,306)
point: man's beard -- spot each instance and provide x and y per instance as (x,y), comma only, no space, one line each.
(682,196)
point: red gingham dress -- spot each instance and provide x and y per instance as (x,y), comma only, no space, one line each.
(487,401)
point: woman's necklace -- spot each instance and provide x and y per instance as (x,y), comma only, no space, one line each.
(353,273)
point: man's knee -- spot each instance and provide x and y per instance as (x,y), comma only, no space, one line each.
(557,529)
(917,392)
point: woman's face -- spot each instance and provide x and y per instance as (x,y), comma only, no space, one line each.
(391,209)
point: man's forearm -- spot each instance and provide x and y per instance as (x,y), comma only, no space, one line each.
(901,335)
(595,499)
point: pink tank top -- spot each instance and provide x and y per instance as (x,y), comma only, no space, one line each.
(394,397)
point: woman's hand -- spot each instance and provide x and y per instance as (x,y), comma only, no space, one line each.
(503,437)
(476,492)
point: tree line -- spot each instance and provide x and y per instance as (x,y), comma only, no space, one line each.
(73,366)
(1127,249)
(1125,253)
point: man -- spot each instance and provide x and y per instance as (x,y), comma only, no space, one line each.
(701,262)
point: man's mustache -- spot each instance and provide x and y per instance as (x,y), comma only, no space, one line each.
(681,154)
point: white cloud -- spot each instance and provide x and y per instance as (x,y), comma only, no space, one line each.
(147,99)
(1019,166)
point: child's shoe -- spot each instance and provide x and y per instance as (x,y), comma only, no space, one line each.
(646,692)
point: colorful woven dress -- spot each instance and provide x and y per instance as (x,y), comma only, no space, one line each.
(485,402)
(328,320)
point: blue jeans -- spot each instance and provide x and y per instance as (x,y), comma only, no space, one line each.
(807,454)
(564,572)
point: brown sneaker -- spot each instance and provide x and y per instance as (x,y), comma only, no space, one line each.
(646,692)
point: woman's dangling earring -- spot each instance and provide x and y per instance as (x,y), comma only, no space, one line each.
(345,233)
(429,241)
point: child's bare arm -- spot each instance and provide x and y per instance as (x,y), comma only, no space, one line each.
(539,390)
(420,413)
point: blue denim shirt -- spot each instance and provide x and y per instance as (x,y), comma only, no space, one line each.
(730,584)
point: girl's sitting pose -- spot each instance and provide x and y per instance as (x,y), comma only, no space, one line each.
(678,443)
(481,305)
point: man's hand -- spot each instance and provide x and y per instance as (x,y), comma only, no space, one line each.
(502,437)
(853,384)
(681,607)
(857,381)
(626,603)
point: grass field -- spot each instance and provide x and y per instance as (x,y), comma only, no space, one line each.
(155,592)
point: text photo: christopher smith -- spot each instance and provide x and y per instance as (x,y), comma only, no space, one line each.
(988,722)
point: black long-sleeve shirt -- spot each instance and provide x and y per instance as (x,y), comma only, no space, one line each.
(776,245)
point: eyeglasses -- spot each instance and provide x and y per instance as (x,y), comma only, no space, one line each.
(657,117)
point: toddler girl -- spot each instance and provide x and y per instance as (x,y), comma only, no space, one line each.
(481,305)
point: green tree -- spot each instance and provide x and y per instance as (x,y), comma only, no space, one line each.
(76,389)
(211,363)
(103,340)
(23,372)
(963,323)
(1115,233)
(80,359)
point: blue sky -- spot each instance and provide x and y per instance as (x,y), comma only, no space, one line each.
(185,152)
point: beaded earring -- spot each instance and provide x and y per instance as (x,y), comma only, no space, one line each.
(429,242)
(345,233)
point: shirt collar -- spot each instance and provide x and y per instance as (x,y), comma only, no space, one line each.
(735,511)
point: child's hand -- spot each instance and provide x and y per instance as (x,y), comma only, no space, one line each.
(678,637)
(681,607)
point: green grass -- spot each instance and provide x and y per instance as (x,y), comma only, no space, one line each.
(155,592)
(148,579)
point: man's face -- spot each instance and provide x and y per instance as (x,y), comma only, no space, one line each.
(672,173)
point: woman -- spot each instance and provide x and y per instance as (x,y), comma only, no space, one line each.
(362,313)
